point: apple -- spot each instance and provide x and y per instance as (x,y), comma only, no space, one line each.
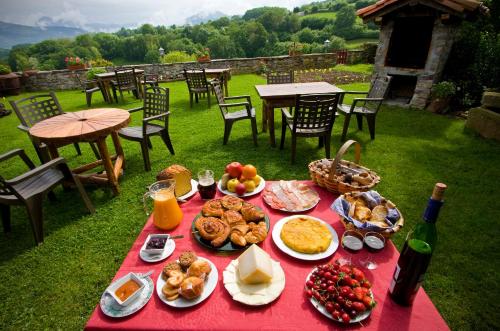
(249,185)
(231,184)
(234,169)
(240,188)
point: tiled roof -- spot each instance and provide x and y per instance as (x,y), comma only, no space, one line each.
(458,6)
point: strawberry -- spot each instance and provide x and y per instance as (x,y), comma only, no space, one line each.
(368,302)
(366,283)
(358,274)
(359,293)
(359,306)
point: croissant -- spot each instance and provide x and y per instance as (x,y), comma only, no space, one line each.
(233,218)
(257,233)
(238,239)
(251,213)
(213,229)
(212,208)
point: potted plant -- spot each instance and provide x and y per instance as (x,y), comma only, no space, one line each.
(441,94)
(203,56)
(74,63)
(9,81)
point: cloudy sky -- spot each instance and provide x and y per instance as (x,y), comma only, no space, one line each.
(126,12)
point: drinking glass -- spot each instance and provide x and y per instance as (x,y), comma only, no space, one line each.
(206,184)
(352,242)
(375,242)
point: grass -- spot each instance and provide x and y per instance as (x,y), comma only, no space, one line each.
(58,284)
(328,15)
(362,68)
(356,43)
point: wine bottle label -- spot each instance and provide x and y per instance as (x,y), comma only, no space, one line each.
(391,287)
(394,278)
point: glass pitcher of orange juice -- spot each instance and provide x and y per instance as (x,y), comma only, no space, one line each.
(166,211)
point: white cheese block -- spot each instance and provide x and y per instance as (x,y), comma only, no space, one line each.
(254,266)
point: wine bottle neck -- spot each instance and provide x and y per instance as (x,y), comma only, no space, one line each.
(432,211)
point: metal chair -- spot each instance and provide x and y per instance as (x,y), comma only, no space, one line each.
(248,112)
(198,85)
(280,77)
(29,188)
(367,107)
(34,109)
(314,116)
(155,108)
(125,80)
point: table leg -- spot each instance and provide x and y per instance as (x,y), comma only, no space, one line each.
(105,90)
(54,153)
(270,123)
(119,150)
(264,116)
(108,165)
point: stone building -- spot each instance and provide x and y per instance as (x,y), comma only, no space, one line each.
(415,40)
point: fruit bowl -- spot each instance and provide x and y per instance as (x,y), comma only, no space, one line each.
(257,189)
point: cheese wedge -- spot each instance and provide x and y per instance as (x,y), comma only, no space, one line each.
(254,266)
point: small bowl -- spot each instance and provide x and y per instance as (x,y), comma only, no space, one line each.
(116,285)
(155,251)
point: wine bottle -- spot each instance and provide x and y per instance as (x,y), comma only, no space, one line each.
(417,251)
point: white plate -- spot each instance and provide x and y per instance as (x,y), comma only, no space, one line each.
(254,295)
(194,189)
(257,190)
(112,309)
(322,309)
(334,244)
(180,302)
(167,251)
(293,211)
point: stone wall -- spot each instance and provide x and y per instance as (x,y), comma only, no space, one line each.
(65,79)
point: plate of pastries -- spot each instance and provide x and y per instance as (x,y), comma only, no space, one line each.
(187,281)
(230,224)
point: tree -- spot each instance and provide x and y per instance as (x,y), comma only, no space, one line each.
(147,29)
(152,56)
(222,47)
(344,23)
(306,36)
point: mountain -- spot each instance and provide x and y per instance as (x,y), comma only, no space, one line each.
(14,34)
(204,17)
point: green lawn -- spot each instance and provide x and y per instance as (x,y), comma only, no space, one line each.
(58,284)
(362,68)
(328,15)
(356,43)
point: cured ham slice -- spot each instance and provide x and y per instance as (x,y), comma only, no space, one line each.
(290,196)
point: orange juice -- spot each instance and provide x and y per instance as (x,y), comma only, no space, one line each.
(166,213)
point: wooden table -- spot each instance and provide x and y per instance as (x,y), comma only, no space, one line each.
(92,125)
(283,95)
(105,79)
(222,74)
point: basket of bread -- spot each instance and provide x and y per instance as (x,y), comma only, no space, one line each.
(342,176)
(368,212)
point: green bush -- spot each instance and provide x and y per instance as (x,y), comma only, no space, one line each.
(100,63)
(178,56)
(443,89)
(92,72)
(4,69)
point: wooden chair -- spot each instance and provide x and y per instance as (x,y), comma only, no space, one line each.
(280,77)
(248,112)
(125,80)
(155,109)
(314,116)
(367,107)
(198,85)
(36,108)
(29,188)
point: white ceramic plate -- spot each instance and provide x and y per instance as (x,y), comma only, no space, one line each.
(194,189)
(334,244)
(322,309)
(180,302)
(257,190)
(167,251)
(254,295)
(112,309)
(264,197)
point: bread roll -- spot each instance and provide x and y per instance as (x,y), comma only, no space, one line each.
(191,288)
(200,269)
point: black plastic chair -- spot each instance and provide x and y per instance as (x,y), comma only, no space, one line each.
(198,85)
(36,108)
(365,107)
(280,77)
(125,80)
(314,116)
(248,112)
(155,109)
(29,188)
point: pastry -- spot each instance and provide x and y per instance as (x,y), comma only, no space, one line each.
(169,267)
(251,213)
(191,288)
(212,229)
(306,235)
(175,279)
(231,202)
(233,218)
(186,258)
(169,291)
(200,269)
(212,208)
(379,213)
(362,213)
(257,233)
(238,238)
(181,175)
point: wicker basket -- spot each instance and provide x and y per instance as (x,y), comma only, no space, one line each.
(387,233)
(330,182)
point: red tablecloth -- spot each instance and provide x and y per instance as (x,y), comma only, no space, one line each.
(291,311)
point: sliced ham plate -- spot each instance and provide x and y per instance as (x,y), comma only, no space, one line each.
(291,196)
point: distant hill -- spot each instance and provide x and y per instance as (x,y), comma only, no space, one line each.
(14,34)
(202,17)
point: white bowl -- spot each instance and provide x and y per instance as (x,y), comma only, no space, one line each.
(153,251)
(116,285)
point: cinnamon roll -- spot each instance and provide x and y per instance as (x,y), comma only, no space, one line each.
(212,208)
(212,229)
(231,202)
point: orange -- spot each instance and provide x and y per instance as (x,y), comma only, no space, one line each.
(249,171)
